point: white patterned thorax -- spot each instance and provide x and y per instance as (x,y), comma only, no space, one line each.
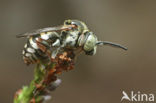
(45,36)
(71,39)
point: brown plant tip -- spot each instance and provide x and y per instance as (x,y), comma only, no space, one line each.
(17,93)
(54,85)
(63,62)
(33,100)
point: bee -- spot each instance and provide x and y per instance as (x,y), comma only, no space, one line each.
(43,45)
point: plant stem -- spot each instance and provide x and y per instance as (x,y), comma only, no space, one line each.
(26,94)
(45,79)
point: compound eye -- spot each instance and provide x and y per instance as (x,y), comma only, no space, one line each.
(90,42)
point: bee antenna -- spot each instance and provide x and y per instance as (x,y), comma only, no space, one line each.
(111,44)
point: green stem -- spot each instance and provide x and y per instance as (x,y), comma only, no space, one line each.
(27,92)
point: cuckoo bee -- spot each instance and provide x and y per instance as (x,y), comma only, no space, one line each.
(46,43)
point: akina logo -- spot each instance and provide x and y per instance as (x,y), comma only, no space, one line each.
(137,96)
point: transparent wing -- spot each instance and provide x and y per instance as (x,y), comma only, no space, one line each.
(48,29)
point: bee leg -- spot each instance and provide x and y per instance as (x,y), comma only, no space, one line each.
(54,53)
(56,43)
(40,45)
(44,49)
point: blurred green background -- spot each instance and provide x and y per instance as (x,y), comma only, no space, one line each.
(95,79)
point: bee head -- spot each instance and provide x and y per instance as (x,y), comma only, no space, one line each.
(89,43)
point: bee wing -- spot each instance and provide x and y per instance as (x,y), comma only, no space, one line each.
(48,29)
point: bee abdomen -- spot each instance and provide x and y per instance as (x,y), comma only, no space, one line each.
(29,54)
(32,53)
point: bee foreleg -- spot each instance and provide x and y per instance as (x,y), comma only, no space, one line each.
(55,52)
(40,45)
(56,43)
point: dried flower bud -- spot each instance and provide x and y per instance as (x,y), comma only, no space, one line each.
(54,85)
